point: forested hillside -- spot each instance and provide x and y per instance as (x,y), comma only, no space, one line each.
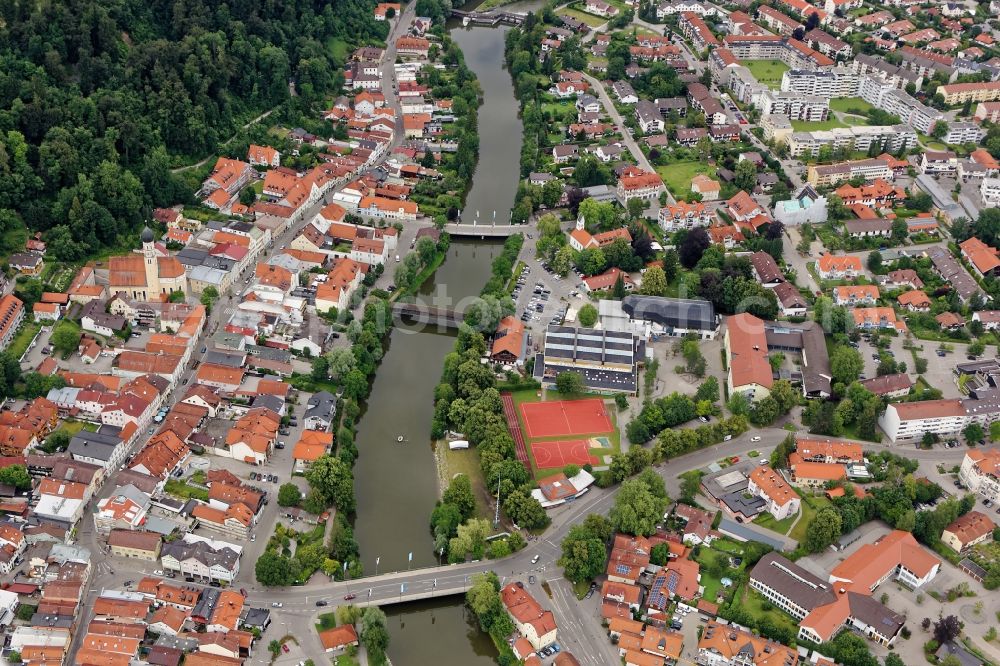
(100,98)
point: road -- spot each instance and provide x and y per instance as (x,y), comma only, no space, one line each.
(627,139)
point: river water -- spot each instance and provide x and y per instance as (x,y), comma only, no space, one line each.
(396,483)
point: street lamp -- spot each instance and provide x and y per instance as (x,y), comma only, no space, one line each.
(377,560)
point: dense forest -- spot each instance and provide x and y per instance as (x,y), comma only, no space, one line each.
(100,98)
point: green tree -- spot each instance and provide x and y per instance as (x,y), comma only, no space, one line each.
(289,495)
(569,383)
(583,554)
(636,509)
(334,480)
(65,337)
(708,390)
(973,433)
(525,510)
(374,634)
(823,530)
(587,316)
(17,476)
(275,570)
(746,176)
(654,282)
(459,494)
(846,365)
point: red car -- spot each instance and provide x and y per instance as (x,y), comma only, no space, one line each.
(284,647)
(350,596)
(734,460)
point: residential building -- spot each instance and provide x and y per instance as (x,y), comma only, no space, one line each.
(980,256)
(967,531)
(729,645)
(534,623)
(834,174)
(11,316)
(781,500)
(889,386)
(684,215)
(980,472)
(959,93)
(860,138)
(851,295)
(203,559)
(134,544)
(838,267)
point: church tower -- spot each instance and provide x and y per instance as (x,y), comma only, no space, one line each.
(152,271)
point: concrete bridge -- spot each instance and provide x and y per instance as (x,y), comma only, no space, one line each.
(483,230)
(491,19)
(428,314)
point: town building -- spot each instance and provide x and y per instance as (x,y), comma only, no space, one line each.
(607,361)
(968,530)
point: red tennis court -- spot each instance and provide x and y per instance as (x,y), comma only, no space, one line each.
(565,417)
(554,455)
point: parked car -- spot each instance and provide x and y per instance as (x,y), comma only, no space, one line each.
(275,604)
(755,439)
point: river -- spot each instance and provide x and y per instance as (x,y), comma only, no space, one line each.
(396,483)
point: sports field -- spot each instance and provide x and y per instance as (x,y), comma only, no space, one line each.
(565,417)
(556,454)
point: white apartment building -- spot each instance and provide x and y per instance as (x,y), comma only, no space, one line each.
(940,417)
(889,98)
(964,132)
(889,138)
(836,82)
(796,106)
(990,191)
(980,472)
(206,559)
(743,85)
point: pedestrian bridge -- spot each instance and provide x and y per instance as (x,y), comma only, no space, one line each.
(428,314)
(491,19)
(485,230)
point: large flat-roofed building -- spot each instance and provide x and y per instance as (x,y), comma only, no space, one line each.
(745,345)
(940,417)
(892,138)
(833,174)
(608,361)
(836,82)
(652,316)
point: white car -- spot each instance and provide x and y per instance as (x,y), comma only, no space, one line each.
(158,572)
(755,439)
(275,604)
(535,559)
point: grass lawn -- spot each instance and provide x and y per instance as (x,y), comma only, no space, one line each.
(767,521)
(677,177)
(326,621)
(720,548)
(806,126)
(768,72)
(854,105)
(337,48)
(809,509)
(589,19)
(184,491)
(345,660)
(23,338)
(466,462)
(754,604)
